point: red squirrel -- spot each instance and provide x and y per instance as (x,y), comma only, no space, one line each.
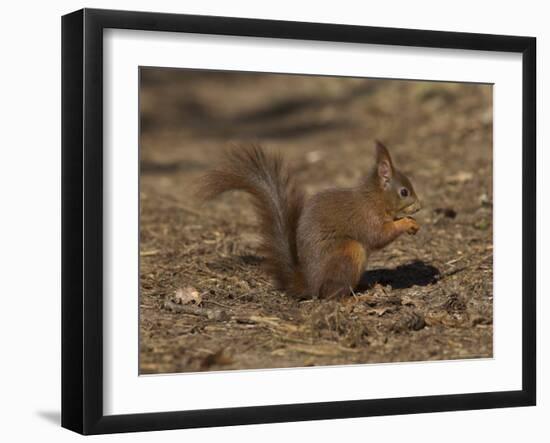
(319,246)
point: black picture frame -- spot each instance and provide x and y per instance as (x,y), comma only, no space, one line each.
(82,219)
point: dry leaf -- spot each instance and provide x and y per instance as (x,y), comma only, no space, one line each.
(379,311)
(460,177)
(187,295)
(314,156)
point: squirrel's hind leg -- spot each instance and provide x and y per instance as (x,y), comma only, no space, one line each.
(342,269)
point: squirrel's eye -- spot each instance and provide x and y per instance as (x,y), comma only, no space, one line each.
(404,192)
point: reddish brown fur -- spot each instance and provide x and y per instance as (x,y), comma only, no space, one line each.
(277,200)
(320,247)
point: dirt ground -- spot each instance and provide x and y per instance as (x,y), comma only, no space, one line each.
(205,303)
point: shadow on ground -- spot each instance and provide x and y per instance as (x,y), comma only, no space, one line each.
(416,273)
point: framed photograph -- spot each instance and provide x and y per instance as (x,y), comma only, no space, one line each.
(269,221)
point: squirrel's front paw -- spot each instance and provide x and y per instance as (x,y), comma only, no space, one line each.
(410,225)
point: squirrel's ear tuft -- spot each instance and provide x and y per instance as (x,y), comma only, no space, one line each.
(383,163)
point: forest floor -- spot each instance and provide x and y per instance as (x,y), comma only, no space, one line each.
(206,304)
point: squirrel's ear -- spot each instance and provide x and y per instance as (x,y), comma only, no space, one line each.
(383,163)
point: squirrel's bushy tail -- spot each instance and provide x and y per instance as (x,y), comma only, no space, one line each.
(278,202)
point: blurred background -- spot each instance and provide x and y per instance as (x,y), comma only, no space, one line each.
(432,293)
